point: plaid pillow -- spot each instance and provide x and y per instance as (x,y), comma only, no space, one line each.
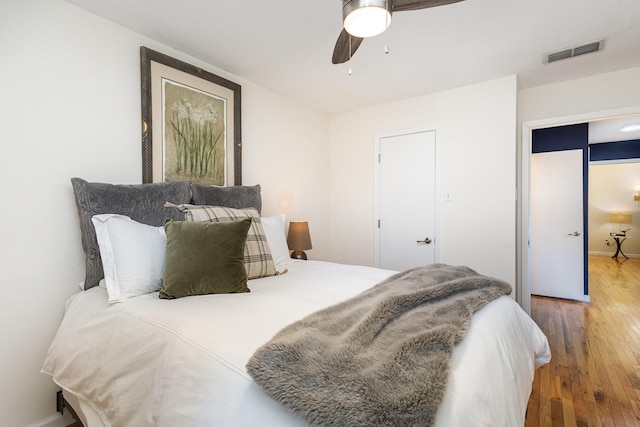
(257,256)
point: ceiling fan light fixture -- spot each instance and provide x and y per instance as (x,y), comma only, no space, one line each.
(366,18)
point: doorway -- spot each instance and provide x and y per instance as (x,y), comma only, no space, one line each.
(524,274)
(558,222)
(612,191)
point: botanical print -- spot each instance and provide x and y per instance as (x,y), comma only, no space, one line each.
(194,135)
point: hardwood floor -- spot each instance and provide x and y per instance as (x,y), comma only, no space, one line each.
(593,378)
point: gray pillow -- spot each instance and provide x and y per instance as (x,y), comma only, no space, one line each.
(143,203)
(237,197)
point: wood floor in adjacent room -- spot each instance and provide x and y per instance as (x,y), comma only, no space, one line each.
(594,375)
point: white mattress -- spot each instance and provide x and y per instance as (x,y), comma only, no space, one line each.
(153,362)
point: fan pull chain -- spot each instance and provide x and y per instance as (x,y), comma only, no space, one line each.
(386,47)
(350,53)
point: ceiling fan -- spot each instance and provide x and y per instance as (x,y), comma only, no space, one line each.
(368,18)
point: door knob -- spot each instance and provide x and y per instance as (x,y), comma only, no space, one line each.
(426,241)
(574,234)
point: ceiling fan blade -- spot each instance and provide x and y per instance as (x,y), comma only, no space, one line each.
(346,46)
(402,5)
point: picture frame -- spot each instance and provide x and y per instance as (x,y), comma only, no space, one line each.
(191,123)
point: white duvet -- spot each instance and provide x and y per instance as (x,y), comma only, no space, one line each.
(153,362)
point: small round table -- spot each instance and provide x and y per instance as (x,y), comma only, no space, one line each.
(619,238)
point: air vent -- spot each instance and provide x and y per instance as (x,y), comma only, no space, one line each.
(574,51)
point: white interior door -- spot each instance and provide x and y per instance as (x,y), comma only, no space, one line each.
(406,200)
(556,221)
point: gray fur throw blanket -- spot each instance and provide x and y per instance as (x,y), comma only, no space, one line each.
(380,358)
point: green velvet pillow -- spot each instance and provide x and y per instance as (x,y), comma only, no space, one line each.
(204,258)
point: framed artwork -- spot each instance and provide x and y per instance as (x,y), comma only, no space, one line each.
(191,128)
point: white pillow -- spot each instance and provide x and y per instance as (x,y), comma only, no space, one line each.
(132,255)
(274,231)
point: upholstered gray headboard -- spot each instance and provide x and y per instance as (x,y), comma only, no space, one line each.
(143,203)
(237,197)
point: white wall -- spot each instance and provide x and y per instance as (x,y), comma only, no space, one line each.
(601,92)
(477,131)
(70,106)
(286,151)
(611,190)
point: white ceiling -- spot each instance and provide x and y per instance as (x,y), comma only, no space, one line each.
(286,45)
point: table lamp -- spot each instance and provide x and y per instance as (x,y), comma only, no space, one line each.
(299,239)
(620,218)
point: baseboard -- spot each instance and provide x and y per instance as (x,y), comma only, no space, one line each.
(609,254)
(56,420)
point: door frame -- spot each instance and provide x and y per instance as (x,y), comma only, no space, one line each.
(523,296)
(437,192)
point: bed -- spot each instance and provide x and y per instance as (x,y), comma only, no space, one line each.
(146,360)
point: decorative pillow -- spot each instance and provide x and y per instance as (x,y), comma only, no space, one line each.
(205,258)
(143,203)
(274,231)
(257,256)
(237,196)
(132,255)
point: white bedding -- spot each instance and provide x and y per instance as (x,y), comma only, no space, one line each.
(154,362)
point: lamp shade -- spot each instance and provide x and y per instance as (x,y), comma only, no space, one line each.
(366,18)
(298,237)
(620,218)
